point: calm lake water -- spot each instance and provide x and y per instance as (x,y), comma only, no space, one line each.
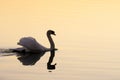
(87,38)
(73,63)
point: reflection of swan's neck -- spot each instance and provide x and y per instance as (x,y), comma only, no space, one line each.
(52,45)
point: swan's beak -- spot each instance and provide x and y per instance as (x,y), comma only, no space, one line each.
(54,34)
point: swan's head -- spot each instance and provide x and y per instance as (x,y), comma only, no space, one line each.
(51,32)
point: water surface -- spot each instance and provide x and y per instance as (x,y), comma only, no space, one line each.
(72,63)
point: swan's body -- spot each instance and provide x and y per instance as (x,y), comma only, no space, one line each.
(31,45)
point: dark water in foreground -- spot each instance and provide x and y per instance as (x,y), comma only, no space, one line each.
(72,64)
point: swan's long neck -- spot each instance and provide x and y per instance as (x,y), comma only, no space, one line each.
(52,45)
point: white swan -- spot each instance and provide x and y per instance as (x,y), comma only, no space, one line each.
(31,45)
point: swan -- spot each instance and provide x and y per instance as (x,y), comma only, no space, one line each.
(29,44)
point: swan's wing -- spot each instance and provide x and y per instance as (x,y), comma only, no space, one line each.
(31,44)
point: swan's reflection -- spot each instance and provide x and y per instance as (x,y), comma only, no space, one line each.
(49,66)
(31,58)
(28,58)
